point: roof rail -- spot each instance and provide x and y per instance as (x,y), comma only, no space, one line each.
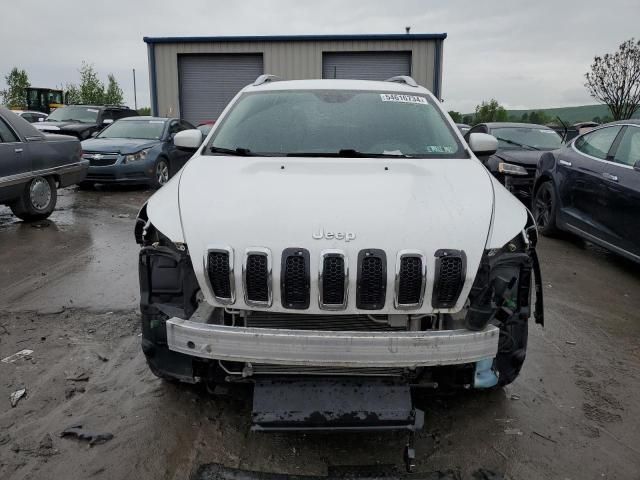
(406,79)
(266,78)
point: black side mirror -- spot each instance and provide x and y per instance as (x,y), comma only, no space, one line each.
(636,167)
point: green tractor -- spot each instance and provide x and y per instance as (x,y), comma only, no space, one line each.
(44,99)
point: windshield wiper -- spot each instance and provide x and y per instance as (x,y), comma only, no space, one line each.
(511,142)
(347,153)
(241,152)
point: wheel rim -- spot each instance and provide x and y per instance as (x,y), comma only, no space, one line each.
(543,207)
(162,172)
(40,194)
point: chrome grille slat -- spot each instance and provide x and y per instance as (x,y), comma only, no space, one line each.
(333,280)
(449,278)
(220,274)
(410,281)
(256,277)
(295,278)
(371,280)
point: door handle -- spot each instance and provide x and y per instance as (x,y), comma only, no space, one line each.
(18,150)
(564,163)
(608,176)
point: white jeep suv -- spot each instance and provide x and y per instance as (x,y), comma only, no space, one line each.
(336,232)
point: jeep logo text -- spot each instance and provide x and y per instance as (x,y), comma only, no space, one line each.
(327,235)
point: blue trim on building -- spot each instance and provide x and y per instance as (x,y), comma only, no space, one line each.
(153,87)
(437,72)
(299,38)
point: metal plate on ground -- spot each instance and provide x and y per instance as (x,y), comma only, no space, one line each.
(333,404)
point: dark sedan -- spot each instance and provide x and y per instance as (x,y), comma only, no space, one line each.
(520,146)
(136,150)
(591,187)
(33,165)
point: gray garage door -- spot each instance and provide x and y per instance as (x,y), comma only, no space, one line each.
(209,82)
(365,65)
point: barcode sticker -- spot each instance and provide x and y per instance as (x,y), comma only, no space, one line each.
(400,98)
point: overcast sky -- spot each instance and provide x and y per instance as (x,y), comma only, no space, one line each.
(527,54)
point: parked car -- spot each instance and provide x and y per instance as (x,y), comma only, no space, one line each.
(31,116)
(591,187)
(519,148)
(205,127)
(83,120)
(463,127)
(336,228)
(33,165)
(136,150)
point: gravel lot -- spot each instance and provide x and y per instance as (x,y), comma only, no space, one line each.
(68,291)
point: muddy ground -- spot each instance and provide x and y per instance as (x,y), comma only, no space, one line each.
(68,291)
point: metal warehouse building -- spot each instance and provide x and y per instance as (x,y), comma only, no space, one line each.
(195,77)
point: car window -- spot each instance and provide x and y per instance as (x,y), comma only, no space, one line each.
(174,127)
(317,122)
(628,152)
(479,129)
(144,129)
(517,138)
(6,134)
(598,143)
(108,115)
(185,125)
(118,114)
(75,114)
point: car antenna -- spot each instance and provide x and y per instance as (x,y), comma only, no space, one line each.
(566,129)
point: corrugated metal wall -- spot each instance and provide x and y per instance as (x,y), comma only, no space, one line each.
(365,65)
(292,60)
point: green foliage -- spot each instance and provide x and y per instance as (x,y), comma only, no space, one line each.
(614,80)
(114,94)
(72,94)
(15,96)
(144,111)
(456,116)
(490,111)
(468,119)
(91,90)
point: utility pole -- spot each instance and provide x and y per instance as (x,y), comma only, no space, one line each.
(135,94)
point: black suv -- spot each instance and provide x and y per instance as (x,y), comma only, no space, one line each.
(82,121)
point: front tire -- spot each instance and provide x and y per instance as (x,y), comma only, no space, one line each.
(161,173)
(545,207)
(37,201)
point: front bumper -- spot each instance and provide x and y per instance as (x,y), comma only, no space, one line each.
(137,172)
(331,348)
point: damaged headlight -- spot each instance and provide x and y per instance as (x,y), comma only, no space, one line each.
(502,287)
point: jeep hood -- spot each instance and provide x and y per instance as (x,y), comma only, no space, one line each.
(388,204)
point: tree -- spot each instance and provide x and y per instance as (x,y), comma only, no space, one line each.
(455,116)
(539,118)
(615,80)
(468,119)
(91,88)
(490,111)
(114,94)
(144,111)
(15,96)
(72,94)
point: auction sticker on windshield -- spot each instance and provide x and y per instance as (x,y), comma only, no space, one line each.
(399,98)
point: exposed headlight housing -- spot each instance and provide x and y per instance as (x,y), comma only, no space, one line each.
(135,157)
(511,169)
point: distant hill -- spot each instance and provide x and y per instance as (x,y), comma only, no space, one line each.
(570,115)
